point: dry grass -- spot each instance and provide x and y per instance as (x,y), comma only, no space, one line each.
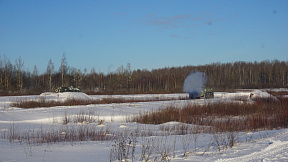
(42,102)
(266,113)
(56,135)
(278,93)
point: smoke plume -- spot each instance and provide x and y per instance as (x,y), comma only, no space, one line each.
(194,82)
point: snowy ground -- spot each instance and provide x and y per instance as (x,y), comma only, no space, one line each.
(153,140)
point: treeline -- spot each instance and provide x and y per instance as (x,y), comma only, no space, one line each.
(220,76)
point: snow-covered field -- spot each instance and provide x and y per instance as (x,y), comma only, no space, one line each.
(152,142)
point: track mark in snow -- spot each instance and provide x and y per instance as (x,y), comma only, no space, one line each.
(277,150)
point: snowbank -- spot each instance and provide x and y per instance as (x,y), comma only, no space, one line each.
(243,94)
(266,145)
(261,94)
(65,95)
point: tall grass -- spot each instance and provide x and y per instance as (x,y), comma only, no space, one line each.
(42,102)
(66,133)
(263,113)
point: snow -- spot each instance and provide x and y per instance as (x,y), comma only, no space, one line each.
(244,95)
(268,145)
(274,148)
(65,95)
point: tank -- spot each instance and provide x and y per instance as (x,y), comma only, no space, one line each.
(67,89)
(206,93)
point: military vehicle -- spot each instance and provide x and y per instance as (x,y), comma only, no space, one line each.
(67,89)
(206,93)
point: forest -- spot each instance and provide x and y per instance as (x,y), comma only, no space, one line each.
(14,80)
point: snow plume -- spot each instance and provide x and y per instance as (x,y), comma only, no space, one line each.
(194,82)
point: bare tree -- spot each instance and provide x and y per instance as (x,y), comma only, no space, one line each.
(35,71)
(19,64)
(49,71)
(35,77)
(7,72)
(63,67)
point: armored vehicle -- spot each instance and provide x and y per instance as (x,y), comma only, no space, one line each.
(206,93)
(67,89)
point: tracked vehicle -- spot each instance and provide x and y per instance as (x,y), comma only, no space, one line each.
(206,93)
(67,89)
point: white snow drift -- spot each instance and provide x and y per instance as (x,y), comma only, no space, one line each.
(270,145)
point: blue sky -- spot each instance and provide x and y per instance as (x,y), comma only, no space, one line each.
(148,34)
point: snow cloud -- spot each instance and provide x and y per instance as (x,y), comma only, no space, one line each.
(194,82)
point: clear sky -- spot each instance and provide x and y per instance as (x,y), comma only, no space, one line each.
(148,34)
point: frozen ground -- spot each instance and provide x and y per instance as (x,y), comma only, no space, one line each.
(251,146)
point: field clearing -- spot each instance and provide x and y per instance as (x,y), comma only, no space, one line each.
(105,132)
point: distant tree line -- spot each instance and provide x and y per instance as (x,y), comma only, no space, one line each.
(219,76)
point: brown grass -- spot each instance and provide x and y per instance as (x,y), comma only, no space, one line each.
(57,135)
(278,93)
(72,102)
(265,113)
